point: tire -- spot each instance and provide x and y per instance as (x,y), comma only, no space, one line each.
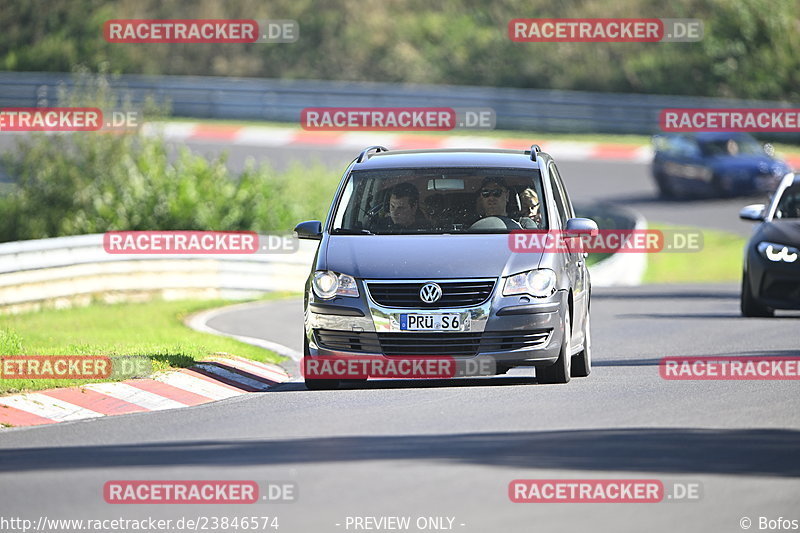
(582,362)
(322,384)
(665,188)
(750,306)
(559,372)
(318,384)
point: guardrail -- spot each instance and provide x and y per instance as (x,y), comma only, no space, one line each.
(64,271)
(282,100)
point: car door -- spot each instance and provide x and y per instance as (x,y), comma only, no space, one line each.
(574,259)
(689,165)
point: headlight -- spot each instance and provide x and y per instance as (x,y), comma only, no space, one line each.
(539,283)
(327,284)
(778,252)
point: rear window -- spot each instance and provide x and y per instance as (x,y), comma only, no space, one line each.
(443,200)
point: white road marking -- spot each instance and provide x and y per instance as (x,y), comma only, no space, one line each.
(47,407)
(142,398)
(232,376)
(196,385)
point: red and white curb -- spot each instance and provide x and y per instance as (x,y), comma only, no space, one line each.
(295,137)
(207,381)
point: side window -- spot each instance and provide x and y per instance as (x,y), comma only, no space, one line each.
(558,196)
(687,147)
(564,196)
(563,205)
(348,212)
(789,204)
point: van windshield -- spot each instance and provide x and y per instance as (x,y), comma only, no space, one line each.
(440,200)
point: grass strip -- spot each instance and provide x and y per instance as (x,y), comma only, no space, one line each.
(153,329)
(720,260)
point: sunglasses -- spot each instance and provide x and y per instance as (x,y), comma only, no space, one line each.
(497,193)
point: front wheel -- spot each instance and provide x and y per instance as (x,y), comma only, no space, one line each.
(749,305)
(322,384)
(317,384)
(582,362)
(559,372)
(665,187)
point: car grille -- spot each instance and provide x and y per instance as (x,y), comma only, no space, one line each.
(348,341)
(465,293)
(442,344)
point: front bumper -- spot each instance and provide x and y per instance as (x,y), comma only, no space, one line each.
(508,331)
(774,284)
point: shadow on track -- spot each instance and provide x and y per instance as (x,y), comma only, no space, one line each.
(756,452)
(637,293)
(727,316)
(654,361)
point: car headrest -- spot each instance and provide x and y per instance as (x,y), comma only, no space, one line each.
(514,203)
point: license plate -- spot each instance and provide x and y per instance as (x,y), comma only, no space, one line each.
(434,322)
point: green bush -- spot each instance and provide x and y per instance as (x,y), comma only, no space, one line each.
(92,183)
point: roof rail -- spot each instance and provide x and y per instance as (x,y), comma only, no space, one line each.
(363,155)
(535,149)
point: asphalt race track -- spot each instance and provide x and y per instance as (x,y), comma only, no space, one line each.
(450,448)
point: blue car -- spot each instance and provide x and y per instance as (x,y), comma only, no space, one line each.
(714,164)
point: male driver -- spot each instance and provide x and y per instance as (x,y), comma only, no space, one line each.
(404,210)
(493,201)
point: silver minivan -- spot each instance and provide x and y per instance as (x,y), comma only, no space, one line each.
(416,259)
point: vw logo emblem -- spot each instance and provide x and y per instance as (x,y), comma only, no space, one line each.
(430,293)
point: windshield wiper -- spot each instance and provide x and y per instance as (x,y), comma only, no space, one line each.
(347,231)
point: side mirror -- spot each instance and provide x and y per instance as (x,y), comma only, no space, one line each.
(752,212)
(310,229)
(580,226)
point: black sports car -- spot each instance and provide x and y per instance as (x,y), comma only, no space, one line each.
(771,277)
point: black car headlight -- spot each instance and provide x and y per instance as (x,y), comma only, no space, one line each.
(539,283)
(327,284)
(778,253)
